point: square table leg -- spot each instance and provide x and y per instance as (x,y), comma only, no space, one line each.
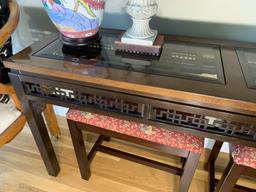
(33,113)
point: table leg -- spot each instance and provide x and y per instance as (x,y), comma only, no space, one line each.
(33,113)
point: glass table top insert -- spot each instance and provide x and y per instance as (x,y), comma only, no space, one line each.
(247,59)
(181,60)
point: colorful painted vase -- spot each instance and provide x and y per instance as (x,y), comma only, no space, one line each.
(77,20)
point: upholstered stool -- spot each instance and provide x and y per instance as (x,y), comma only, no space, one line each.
(186,146)
(243,161)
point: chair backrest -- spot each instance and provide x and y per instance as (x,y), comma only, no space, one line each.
(7,134)
(11,24)
(5,33)
(8,89)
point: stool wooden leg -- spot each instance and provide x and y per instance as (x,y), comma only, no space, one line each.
(80,151)
(189,171)
(211,164)
(230,177)
(183,162)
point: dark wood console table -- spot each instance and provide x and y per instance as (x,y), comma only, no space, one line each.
(199,86)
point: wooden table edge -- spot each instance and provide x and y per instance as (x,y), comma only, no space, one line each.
(196,99)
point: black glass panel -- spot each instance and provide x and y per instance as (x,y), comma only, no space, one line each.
(189,61)
(247,59)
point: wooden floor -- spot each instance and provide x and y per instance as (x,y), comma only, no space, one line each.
(21,169)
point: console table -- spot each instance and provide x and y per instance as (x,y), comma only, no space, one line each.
(203,87)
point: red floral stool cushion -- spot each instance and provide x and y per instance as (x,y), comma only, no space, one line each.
(178,140)
(244,155)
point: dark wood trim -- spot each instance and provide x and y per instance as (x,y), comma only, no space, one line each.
(189,171)
(244,107)
(229,178)
(32,111)
(201,110)
(79,147)
(141,160)
(94,149)
(210,165)
(225,184)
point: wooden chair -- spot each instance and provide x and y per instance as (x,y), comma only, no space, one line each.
(183,145)
(9,132)
(242,162)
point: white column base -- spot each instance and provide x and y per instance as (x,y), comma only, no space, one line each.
(148,42)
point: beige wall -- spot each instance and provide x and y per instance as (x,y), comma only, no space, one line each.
(221,11)
(223,19)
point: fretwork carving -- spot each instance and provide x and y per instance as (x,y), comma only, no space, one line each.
(85,98)
(205,123)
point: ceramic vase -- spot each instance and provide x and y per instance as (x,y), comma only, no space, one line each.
(77,20)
